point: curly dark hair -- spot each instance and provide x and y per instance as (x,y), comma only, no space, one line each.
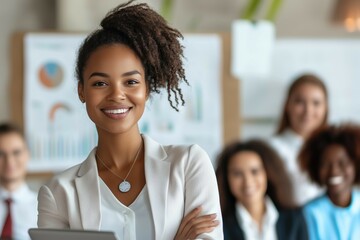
(153,41)
(299,81)
(270,159)
(346,135)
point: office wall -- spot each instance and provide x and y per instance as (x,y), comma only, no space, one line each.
(305,18)
(19,15)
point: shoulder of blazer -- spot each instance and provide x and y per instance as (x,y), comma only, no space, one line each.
(172,153)
(232,229)
(291,225)
(68,175)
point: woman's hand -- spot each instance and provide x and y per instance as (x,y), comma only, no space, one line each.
(193,225)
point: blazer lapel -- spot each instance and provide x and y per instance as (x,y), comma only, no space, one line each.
(87,187)
(232,228)
(157,174)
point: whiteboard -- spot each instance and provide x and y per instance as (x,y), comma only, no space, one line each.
(335,61)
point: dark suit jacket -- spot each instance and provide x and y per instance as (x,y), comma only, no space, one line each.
(290,226)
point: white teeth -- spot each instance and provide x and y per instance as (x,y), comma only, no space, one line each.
(336,180)
(117,111)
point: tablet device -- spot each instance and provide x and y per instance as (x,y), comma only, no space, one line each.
(69,234)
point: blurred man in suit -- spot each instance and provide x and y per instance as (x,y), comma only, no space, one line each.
(18,203)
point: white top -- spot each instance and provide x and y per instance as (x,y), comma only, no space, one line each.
(130,223)
(251,228)
(288,144)
(23,211)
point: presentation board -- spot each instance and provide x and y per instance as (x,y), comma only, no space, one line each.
(56,124)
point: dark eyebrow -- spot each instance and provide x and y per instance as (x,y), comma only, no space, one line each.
(131,73)
(100,74)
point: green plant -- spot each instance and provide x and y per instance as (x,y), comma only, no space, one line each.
(253,6)
(166,9)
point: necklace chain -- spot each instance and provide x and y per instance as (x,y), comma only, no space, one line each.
(108,168)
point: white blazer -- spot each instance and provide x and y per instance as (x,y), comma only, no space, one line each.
(178,178)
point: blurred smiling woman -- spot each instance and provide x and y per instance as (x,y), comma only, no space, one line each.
(331,157)
(305,110)
(246,171)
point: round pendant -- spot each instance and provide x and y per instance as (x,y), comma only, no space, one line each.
(124,186)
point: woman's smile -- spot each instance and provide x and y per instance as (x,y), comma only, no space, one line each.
(116,113)
(336,180)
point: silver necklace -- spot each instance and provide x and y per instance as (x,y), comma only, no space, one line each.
(125,185)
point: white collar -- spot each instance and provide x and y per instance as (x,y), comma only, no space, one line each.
(270,217)
(292,137)
(271,214)
(18,195)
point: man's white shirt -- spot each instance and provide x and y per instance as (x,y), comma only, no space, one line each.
(23,211)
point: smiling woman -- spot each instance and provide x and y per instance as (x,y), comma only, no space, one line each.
(129,181)
(249,175)
(305,110)
(331,156)
(114,89)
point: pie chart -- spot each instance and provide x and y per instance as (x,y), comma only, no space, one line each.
(51,75)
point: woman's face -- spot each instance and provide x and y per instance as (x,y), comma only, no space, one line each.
(114,88)
(247,178)
(337,170)
(306,108)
